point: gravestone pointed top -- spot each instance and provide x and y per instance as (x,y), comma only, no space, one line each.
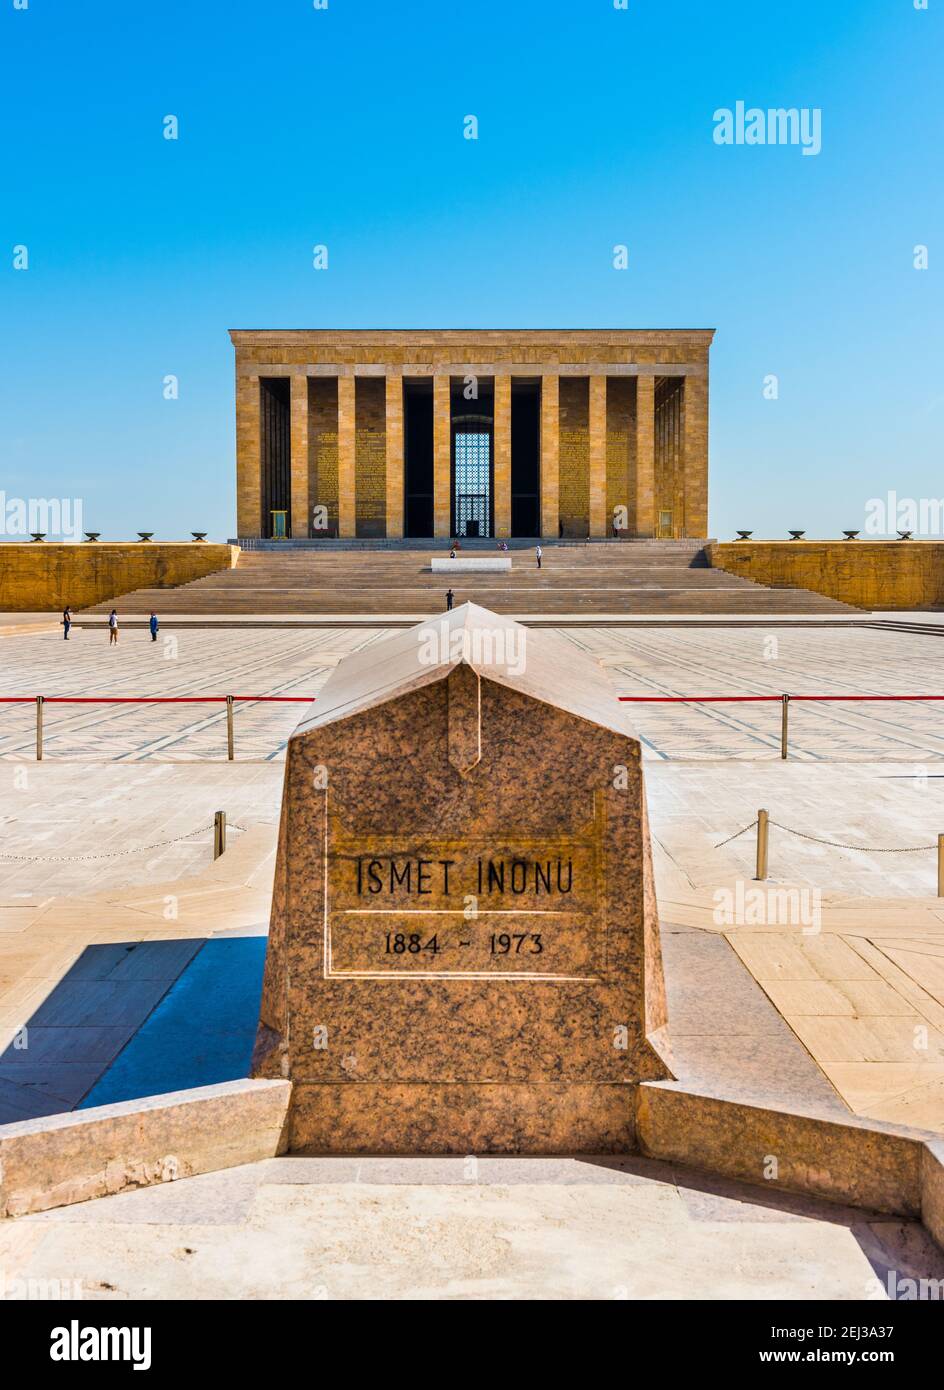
(538,663)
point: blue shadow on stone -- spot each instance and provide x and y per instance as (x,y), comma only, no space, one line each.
(85,1022)
(202,1031)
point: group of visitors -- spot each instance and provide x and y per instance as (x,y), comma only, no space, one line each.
(153,625)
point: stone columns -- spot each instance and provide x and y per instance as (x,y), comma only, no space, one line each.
(597,429)
(346,454)
(501,471)
(301,510)
(393,455)
(248,457)
(645,456)
(695,455)
(550,455)
(442,456)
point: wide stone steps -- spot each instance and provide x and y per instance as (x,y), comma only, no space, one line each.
(584,580)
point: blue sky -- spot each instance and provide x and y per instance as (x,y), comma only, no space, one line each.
(344,126)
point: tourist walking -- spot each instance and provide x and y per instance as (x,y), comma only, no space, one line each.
(153,625)
(113,628)
(66,622)
(450,596)
(537,555)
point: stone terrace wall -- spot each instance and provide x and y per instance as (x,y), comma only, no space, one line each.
(869,574)
(39,576)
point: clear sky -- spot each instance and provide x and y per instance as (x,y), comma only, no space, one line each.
(344,126)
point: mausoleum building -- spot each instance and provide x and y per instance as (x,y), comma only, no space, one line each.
(472,433)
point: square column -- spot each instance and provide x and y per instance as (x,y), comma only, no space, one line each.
(550,455)
(347,526)
(298,433)
(248,457)
(393,459)
(645,456)
(502,464)
(695,455)
(442,457)
(597,428)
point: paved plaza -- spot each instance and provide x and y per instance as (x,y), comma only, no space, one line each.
(770,661)
(92,852)
(193,661)
(181,663)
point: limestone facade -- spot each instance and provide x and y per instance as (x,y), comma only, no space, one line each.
(394,433)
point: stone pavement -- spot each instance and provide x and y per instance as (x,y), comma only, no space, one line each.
(847,949)
(882,806)
(489,1228)
(180,663)
(49,914)
(758,661)
(714,661)
(862,992)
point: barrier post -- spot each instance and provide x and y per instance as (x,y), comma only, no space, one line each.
(39,728)
(219,833)
(762,826)
(229,727)
(784,718)
(940,866)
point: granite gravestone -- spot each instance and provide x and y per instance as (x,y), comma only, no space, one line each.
(464,951)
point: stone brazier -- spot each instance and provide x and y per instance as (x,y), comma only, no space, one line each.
(464,950)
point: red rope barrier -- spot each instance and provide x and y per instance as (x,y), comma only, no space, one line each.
(308,699)
(754,699)
(696,699)
(148,699)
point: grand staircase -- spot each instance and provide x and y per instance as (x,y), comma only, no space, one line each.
(605,579)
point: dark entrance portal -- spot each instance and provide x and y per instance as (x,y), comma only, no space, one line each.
(525,458)
(276,451)
(418,458)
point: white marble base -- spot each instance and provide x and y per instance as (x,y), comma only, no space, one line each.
(465,564)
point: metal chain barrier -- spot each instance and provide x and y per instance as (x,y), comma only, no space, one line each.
(833,844)
(763,824)
(735,836)
(863,849)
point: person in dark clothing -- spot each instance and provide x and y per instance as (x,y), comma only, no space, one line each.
(153,625)
(450,597)
(66,622)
